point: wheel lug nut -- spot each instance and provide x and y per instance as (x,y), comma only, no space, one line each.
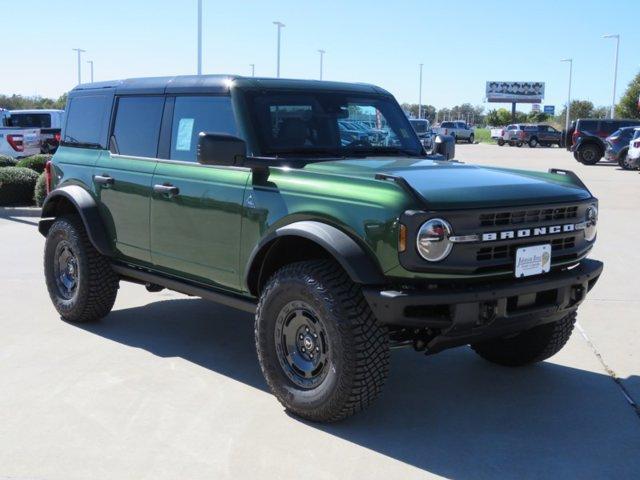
(311,355)
(304,349)
(317,349)
(306,329)
(301,336)
(315,335)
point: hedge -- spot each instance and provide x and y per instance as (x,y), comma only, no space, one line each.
(6,161)
(34,162)
(17,185)
(40,191)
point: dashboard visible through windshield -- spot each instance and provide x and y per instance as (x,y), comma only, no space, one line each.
(331,124)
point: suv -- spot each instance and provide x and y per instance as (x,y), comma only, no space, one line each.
(48,121)
(241,191)
(458,130)
(585,137)
(533,135)
(617,147)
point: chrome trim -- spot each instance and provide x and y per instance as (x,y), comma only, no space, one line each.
(464,238)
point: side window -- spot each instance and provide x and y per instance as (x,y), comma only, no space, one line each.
(137,125)
(192,115)
(85,120)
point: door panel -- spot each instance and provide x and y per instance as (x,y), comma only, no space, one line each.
(195,233)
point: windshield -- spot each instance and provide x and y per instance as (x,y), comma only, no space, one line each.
(330,124)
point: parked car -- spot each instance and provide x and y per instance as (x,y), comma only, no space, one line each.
(512,135)
(458,130)
(49,122)
(425,133)
(239,190)
(633,156)
(19,142)
(586,136)
(617,146)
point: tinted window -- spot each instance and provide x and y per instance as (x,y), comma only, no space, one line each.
(609,127)
(420,126)
(588,125)
(446,125)
(138,125)
(85,120)
(636,134)
(30,120)
(192,115)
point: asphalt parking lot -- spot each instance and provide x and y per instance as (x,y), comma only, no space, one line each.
(169,386)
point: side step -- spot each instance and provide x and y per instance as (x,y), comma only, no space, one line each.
(228,299)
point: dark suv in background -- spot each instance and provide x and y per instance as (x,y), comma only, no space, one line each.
(617,146)
(585,137)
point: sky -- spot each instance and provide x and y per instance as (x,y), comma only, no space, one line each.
(462,44)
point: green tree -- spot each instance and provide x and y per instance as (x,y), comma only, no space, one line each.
(17,102)
(579,109)
(628,106)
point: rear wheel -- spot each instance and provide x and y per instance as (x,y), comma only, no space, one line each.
(589,154)
(81,283)
(530,346)
(471,138)
(625,162)
(519,143)
(500,142)
(533,142)
(320,348)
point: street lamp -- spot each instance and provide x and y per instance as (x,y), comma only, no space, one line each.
(199,37)
(253,69)
(90,62)
(567,120)
(420,94)
(321,52)
(279,25)
(80,51)
(615,72)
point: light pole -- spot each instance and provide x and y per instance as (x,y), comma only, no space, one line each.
(420,94)
(90,62)
(568,119)
(199,37)
(79,50)
(253,69)
(615,72)
(279,25)
(321,52)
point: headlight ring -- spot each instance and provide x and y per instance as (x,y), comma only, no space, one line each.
(432,241)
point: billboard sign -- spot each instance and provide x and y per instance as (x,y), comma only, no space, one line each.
(515,92)
(550,109)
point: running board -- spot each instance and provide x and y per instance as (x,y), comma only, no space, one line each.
(227,299)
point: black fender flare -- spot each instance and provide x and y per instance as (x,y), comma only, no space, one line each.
(86,207)
(356,262)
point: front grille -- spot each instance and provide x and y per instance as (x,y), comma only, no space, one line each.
(509,251)
(527,216)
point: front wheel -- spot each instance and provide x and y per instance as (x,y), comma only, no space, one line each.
(471,138)
(81,283)
(533,143)
(500,142)
(530,346)
(589,154)
(519,144)
(625,162)
(320,348)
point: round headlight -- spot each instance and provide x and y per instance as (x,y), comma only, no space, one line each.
(591,219)
(433,240)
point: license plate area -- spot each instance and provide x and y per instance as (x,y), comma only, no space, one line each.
(533,260)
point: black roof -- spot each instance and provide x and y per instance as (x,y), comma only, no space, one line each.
(219,84)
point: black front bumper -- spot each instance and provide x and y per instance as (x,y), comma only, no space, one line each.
(471,312)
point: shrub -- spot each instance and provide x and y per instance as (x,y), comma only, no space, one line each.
(17,185)
(7,161)
(40,191)
(34,162)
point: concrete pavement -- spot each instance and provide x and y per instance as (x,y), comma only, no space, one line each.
(169,387)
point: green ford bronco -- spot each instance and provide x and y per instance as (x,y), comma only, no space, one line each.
(314,206)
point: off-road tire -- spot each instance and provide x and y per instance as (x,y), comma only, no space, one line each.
(589,154)
(471,138)
(530,346)
(358,345)
(97,284)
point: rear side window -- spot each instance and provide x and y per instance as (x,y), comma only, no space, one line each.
(30,120)
(447,125)
(85,120)
(588,125)
(192,115)
(137,125)
(609,127)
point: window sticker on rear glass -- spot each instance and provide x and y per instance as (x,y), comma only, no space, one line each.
(185,132)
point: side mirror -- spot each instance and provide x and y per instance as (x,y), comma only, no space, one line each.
(445,146)
(220,149)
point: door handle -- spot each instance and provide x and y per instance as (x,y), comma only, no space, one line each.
(166,189)
(105,180)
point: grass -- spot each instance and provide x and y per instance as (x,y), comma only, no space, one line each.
(483,135)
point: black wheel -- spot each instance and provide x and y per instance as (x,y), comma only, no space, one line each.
(589,154)
(471,138)
(500,142)
(320,348)
(625,162)
(81,283)
(533,142)
(530,346)
(575,155)
(519,144)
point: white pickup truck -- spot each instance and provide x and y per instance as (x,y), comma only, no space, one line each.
(459,130)
(19,142)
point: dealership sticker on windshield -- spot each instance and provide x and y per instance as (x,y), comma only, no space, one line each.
(533,260)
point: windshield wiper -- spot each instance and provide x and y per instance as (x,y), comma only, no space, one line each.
(381,151)
(297,152)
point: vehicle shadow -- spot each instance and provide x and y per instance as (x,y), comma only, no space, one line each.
(452,414)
